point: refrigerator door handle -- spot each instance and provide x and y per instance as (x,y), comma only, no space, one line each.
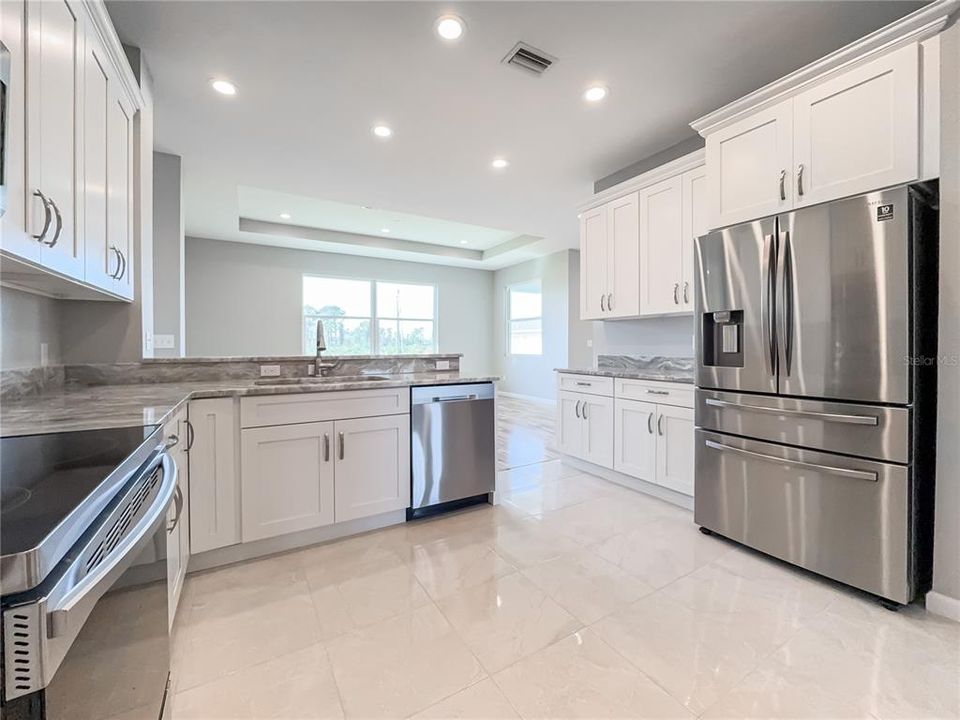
(826,417)
(784,307)
(767,309)
(828,469)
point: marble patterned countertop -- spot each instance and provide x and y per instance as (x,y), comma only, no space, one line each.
(86,407)
(655,367)
(631,374)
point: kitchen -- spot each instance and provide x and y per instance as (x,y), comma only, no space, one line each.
(295,426)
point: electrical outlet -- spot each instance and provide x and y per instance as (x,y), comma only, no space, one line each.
(311,369)
(44,354)
(443,364)
(163,342)
(269,371)
(589,343)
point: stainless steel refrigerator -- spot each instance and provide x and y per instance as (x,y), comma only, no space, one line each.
(816,347)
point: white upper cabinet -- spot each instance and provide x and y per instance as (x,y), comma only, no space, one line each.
(120,191)
(695,224)
(661,243)
(593,263)
(858,131)
(748,166)
(55,36)
(623,257)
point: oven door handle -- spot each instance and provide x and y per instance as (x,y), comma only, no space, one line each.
(75,606)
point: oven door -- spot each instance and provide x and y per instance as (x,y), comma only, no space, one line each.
(97,644)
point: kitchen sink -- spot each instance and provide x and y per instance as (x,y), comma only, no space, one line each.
(328,380)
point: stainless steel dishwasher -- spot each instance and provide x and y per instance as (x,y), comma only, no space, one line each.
(454,447)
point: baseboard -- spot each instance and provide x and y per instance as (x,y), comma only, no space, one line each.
(528,398)
(943,605)
(661,493)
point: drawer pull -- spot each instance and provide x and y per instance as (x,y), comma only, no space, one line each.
(584,384)
(826,417)
(658,392)
(829,469)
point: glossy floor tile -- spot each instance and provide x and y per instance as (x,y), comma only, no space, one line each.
(573,598)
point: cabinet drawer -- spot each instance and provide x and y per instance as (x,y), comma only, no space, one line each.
(321,406)
(662,393)
(590,384)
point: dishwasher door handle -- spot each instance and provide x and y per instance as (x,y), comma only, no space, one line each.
(455,398)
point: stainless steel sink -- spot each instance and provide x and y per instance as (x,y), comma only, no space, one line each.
(328,380)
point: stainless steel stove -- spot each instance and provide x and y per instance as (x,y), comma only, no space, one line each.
(83,573)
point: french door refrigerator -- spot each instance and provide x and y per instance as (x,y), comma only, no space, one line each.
(816,348)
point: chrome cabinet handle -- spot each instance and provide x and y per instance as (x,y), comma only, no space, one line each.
(583,410)
(650,423)
(658,392)
(116,273)
(341,446)
(191,435)
(609,301)
(800,179)
(660,425)
(842,472)
(676,289)
(580,383)
(826,417)
(326,447)
(783,187)
(686,292)
(56,233)
(123,265)
(178,504)
(602,298)
(47,216)
(576,410)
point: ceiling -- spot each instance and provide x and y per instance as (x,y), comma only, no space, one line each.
(314,77)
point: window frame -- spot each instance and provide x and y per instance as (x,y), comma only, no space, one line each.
(374,317)
(510,320)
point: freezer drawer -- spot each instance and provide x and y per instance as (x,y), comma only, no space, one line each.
(872,431)
(845,518)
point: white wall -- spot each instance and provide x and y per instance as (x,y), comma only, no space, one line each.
(946,564)
(246,299)
(669,336)
(533,374)
(168,253)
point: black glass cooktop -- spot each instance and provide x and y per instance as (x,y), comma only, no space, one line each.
(46,478)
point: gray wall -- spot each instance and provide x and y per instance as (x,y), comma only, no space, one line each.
(533,374)
(26,321)
(580,341)
(246,299)
(671,336)
(168,253)
(946,567)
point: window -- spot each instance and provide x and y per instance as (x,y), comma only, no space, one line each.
(525,308)
(366,317)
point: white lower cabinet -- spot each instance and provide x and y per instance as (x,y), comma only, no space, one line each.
(372,466)
(178,516)
(569,428)
(586,427)
(635,439)
(675,448)
(286,479)
(215,483)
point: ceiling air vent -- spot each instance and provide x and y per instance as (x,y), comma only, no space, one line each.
(529,58)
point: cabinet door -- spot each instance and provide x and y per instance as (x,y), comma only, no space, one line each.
(214,482)
(593,263)
(623,257)
(372,466)
(661,247)
(597,414)
(635,439)
(745,161)
(55,37)
(120,189)
(286,478)
(177,551)
(694,192)
(859,131)
(569,424)
(675,448)
(101,264)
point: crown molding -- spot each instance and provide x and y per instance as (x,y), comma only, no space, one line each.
(668,170)
(101,21)
(917,26)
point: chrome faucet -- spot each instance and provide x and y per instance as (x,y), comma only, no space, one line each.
(323,368)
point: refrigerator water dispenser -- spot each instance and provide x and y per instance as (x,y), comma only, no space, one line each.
(723,338)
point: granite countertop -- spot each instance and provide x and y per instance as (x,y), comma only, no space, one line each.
(98,406)
(677,377)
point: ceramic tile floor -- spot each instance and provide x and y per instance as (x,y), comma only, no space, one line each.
(573,598)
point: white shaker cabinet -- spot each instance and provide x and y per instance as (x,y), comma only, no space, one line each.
(593,263)
(372,469)
(675,448)
(286,478)
(178,521)
(661,246)
(55,36)
(858,131)
(623,257)
(587,433)
(635,439)
(214,480)
(695,224)
(749,166)
(569,427)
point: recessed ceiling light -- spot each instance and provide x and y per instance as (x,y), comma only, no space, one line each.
(449,27)
(365,207)
(384,230)
(499,163)
(224,87)
(382,131)
(595,93)
(284,216)
(463,242)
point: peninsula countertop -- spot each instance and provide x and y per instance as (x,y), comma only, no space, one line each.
(85,407)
